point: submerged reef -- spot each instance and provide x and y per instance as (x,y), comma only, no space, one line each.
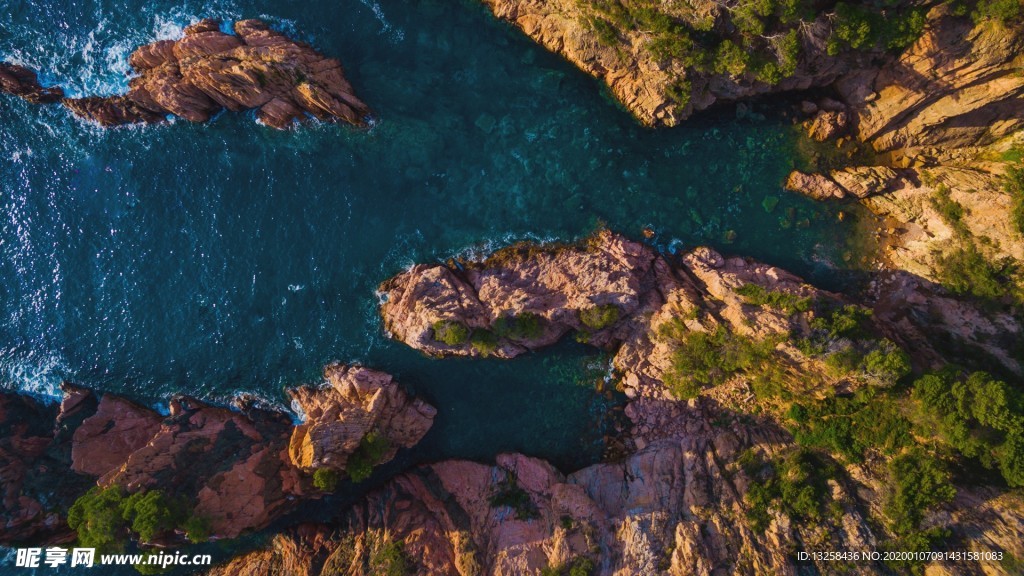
(207,71)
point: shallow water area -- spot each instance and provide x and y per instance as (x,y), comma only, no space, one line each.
(227,257)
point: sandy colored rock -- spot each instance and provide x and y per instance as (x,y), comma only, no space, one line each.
(357,401)
(817,186)
(207,71)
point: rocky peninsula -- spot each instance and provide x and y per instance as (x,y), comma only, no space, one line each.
(721,359)
(207,71)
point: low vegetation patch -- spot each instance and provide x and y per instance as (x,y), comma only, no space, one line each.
(600,317)
(450,332)
(388,558)
(703,359)
(760,296)
(106,518)
(851,426)
(510,494)
(371,451)
(795,484)
(580,566)
(525,326)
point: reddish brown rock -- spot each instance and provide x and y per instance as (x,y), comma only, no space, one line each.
(106,439)
(553,285)
(358,401)
(22,82)
(208,70)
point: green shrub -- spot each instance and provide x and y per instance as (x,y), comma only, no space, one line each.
(371,451)
(795,484)
(325,479)
(151,513)
(849,321)
(679,92)
(868,27)
(966,271)
(919,482)
(509,494)
(605,32)
(1014,186)
(525,326)
(1004,11)
(97,518)
(451,332)
(707,359)
(389,559)
(600,317)
(761,296)
(731,59)
(886,364)
(851,426)
(197,529)
(104,518)
(484,342)
(979,416)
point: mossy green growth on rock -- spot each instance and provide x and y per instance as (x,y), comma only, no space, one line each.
(450,332)
(325,479)
(703,359)
(600,317)
(509,494)
(761,296)
(524,326)
(371,451)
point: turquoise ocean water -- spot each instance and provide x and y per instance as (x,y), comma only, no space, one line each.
(228,257)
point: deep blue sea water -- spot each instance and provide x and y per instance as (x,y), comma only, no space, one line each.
(213,259)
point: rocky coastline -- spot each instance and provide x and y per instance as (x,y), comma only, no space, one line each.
(208,71)
(237,467)
(681,500)
(730,365)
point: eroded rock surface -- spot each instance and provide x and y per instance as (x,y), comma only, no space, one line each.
(207,71)
(356,402)
(232,465)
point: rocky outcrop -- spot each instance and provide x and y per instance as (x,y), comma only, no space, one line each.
(957,88)
(660,89)
(207,71)
(22,82)
(231,464)
(936,118)
(550,288)
(33,468)
(676,507)
(358,401)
